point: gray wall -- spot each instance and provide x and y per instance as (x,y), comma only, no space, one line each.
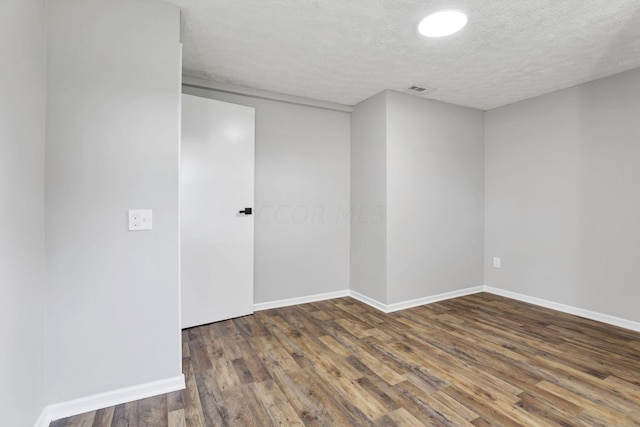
(22,136)
(422,162)
(112,145)
(435,197)
(563,196)
(301,196)
(369,198)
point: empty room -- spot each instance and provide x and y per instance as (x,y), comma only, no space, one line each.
(319,212)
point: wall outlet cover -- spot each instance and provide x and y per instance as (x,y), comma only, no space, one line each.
(140,219)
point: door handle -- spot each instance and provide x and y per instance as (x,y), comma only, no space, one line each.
(246,211)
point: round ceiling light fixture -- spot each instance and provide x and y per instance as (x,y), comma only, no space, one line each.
(442,23)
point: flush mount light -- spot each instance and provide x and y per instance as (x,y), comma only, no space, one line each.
(442,23)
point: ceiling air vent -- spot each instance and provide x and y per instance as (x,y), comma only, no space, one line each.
(419,90)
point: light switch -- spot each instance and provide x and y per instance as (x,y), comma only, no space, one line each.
(140,219)
(496,262)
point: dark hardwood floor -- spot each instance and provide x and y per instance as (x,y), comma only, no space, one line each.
(477,360)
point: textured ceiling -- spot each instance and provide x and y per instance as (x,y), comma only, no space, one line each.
(345,51)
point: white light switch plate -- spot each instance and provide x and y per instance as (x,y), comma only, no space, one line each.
(140,219)
(496,262)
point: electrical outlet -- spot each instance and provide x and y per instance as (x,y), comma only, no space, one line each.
(496,262)
(140,219)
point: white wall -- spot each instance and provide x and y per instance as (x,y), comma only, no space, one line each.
(563,196)
(301,197)
(369,198)
(112,145)
(435,197)
(22,136)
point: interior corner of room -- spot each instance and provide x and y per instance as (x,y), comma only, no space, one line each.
(396,201)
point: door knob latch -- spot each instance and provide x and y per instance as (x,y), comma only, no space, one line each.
(246,211)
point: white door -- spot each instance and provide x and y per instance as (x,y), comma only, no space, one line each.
(216,183)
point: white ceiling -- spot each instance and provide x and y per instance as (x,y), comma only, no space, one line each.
(345,51)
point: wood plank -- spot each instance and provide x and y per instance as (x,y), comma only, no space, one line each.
(276,405)
(82,420)
(212,406)
(104,417)
(193,413)
(402,417)
(152,412)
(177,418)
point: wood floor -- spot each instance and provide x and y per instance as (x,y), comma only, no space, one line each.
(476,360)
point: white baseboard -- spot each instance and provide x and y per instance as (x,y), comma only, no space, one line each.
(386,308)
(403,305)
(369,301)
(300,300)
(390,308)
(111,398)
(588,314)
(44,419)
